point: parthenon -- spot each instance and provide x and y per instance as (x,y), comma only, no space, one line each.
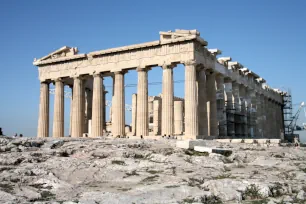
(222,97)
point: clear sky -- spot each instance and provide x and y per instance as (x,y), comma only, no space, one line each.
(268,37)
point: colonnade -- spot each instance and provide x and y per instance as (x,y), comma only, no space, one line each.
(214,105)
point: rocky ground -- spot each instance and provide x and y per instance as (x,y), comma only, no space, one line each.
(147,171)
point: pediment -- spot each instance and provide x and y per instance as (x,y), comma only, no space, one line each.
(62,52)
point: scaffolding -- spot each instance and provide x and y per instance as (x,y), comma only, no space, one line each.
(287,112)
(240,120)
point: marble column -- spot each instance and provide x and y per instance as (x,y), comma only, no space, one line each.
(167,101)
(259,118)
(237,109)
(242,94)
(88,109)
(265,117)
(104,109)
(178,117)
(43,118)
(78,109)
(230,111)
(202,106)
(142,103)
(253,114)
(134,113)
(211,104)
(71,108)
(97,106)
(221,113)
(157,117)
(118,108)
(191,101)
(58,118)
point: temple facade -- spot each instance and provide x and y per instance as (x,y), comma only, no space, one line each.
(222,97)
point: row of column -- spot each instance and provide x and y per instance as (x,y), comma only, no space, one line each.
(212,106)
(77,118)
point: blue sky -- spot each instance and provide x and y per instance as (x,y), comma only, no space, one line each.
(268,37)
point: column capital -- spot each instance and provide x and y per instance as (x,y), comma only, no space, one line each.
(190,63)
(142,69)
(120,72)
(97,74)
(58,80)
(45,82)
(168,66)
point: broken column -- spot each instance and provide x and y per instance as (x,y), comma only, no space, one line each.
(157,117)
(134,113)
(178,117)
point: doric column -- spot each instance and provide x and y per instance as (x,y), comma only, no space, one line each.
(191,101)
(178,117)
(97,106)
(78,109)
(71,108)
(265,117)
(242,94)
(202,106)
(43,118)
(237,109)
(221,114)
(104,108)
(167,101)
(88,110)
(211,104)
(259,112)
(230,111)
(134,113)
(142,103)
(253,114)
(157,116)
(58,118)
(118,108)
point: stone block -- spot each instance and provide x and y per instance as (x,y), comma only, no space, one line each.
(224,152)
(223,140)
(262,141)
(275,141)
(249,141)
(237,141)
(189,144)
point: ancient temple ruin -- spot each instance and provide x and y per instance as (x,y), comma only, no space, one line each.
(222,97)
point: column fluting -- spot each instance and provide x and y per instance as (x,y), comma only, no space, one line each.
(118,107)
(58,118)
(43,118)
(167,101)
(97,106)
(78,110)
(142,103)
(191,101)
